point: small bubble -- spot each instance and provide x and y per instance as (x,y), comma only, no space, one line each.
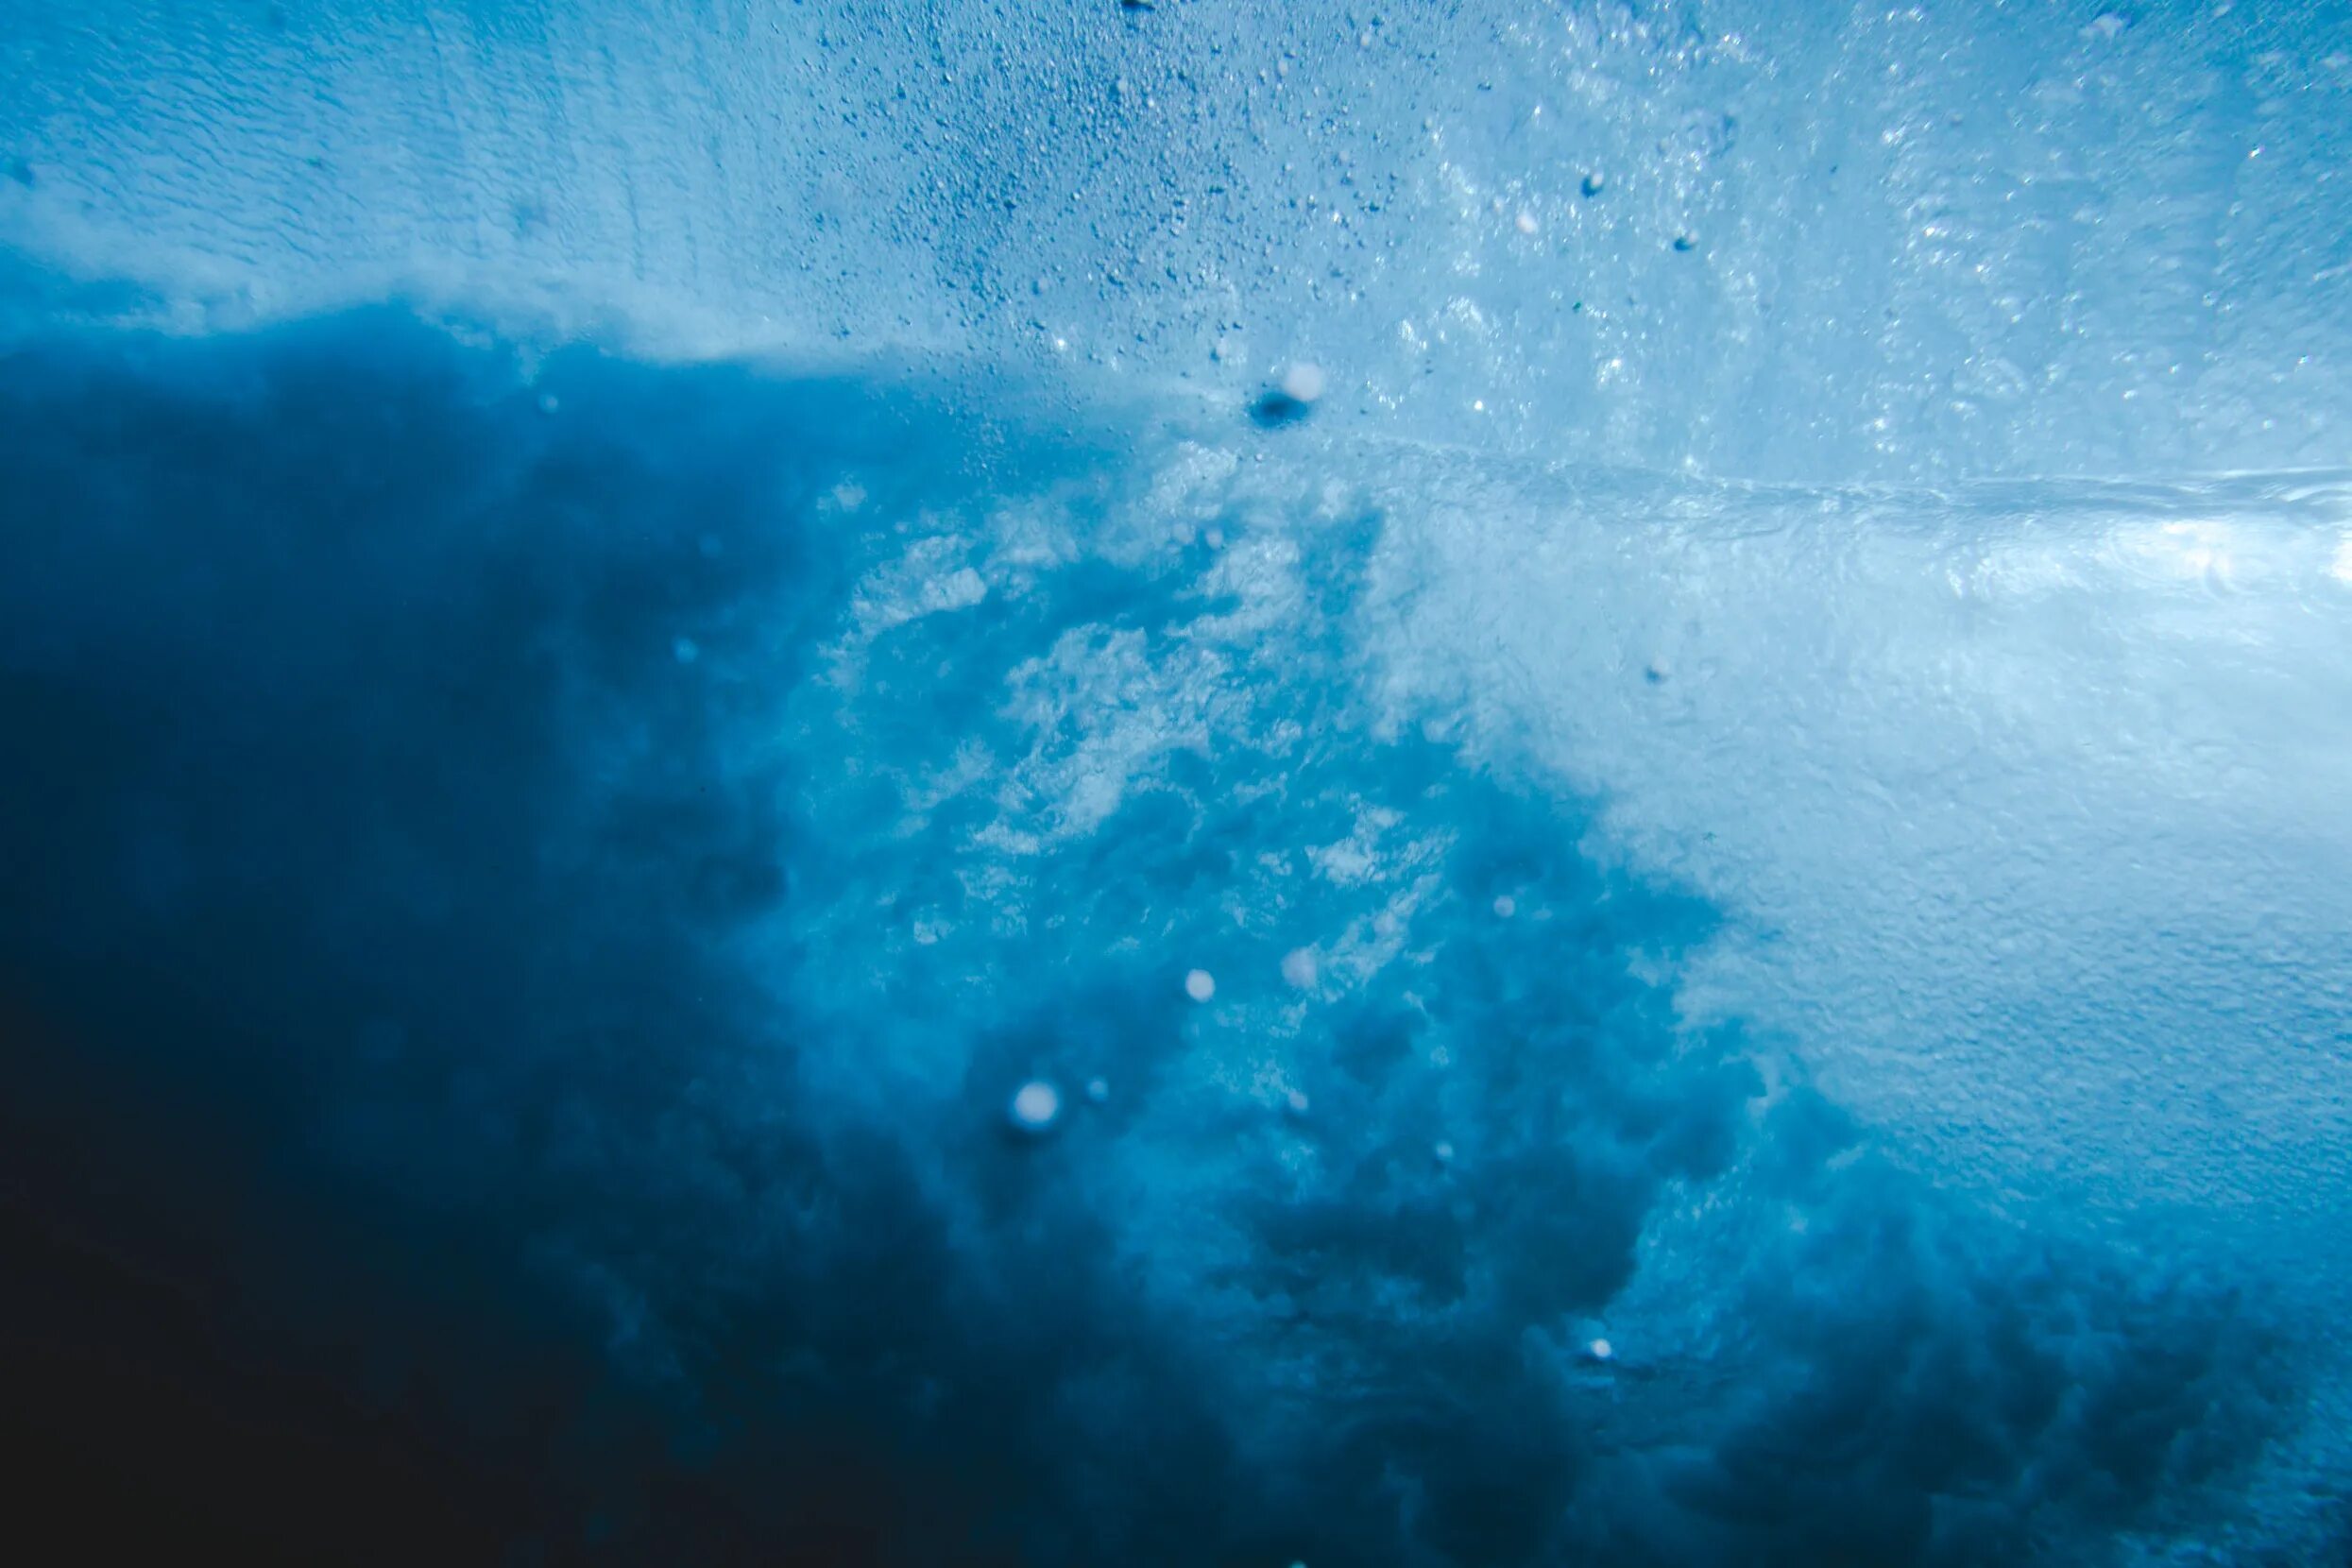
(1506,906)
(1200,985)
(1098,1091)
(1296,1101)
(1037,1105)
(1600,1350)
(1526,223)
(1443,1152)
(1299,967)
(685,650)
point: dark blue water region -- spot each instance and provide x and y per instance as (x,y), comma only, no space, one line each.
(509,1028)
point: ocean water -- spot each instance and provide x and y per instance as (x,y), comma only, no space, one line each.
(738,829)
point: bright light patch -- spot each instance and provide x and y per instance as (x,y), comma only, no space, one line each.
(2191,551)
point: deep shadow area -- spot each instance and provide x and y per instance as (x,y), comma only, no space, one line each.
(310,642)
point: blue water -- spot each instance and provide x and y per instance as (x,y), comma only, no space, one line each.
(1210,783)
(532,886)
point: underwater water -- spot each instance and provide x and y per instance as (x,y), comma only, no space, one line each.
(1180,783)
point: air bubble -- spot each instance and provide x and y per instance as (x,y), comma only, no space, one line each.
(1037,1105)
